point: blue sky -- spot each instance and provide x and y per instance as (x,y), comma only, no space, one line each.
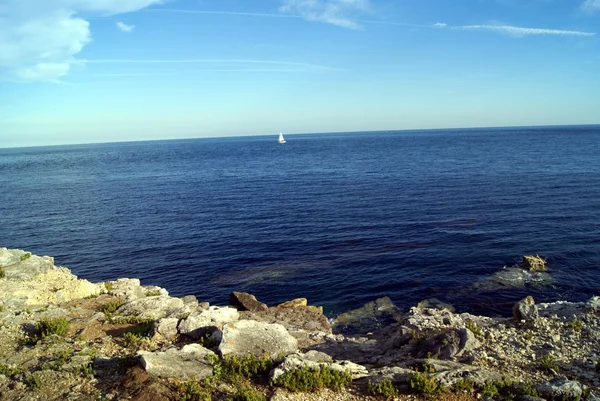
(78,71)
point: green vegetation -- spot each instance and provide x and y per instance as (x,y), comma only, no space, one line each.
(49,326)
(112,307)
(383,388)
(576,325)
(108,285)
(191,390)
(32,381)
(245,392)
(138,335)
(2,274)
(9,371)
(464,386)
(154,293)
(528,335)
(528,389)
(1,308)
(490,389)
(425,384)
(183,316)
(248,366)
(25,257)
(307,379)
(548,364)
(60,359)
(471,325)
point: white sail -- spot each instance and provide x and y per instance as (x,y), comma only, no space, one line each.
(281,140)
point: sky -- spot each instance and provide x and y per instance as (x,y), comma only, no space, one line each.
(81,71)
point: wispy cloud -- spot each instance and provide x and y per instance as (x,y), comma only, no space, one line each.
(335,12)
(591,5)
(210,12)
(124,27)
(39,38)
(520,31)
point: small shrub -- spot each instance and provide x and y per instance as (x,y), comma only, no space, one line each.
(59,360)
(112,307)
(2,274)
(183,316)
(154,293)
(576,325)
(245,392)
(383,388)
(248,366)
(85,370)
(32,381)
(425,384)
(49,326)
(109,286)
(489,389)
(528,389)
(25,257)
(1,308)
(9,371)
(192,391)
(471,325)
(548,364)
(528,335)
(307,379)
(464,385)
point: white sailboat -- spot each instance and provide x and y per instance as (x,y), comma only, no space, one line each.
(281,140)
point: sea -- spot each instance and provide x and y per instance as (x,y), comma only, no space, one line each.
(338,218)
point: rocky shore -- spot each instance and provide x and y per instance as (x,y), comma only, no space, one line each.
(65,338)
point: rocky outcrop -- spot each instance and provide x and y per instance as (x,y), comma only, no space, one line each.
(525,310)
(370,317)
(317,360)
(190,361)
(534,263)
(154,308)
(197,324)
(257,338)
(449,344)
(244,301)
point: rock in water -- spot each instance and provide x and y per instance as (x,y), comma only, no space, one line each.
(244,301)
(190,361)
(534,263)
(525,310)
(370,317)
(294,303)
(256,338)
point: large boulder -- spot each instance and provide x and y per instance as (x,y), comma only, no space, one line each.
(197,324)
(449,344)
(317,360)
(128,289)
(525,310)
(300,318)
(152,308)
(244,301)
(257,338)
(165,329)
(560,388)
(192,360)
(534,263)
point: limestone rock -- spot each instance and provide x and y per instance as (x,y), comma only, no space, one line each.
(300,318)
(449,372)
(154,290)
(127,288)
(449,344)
(317,360)
(534,263)
(152,307)
(560,389)
(294,303)
(244,301)
(190,361)
(165,328)
(525,310)
(256,338)
(434,303)
(200,322)
(368,318)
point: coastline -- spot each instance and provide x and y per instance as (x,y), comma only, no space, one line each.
(123,340)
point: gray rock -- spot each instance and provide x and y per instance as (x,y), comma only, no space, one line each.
(560,388)
(299,360)
(200,322)
(127,288)
(32,266)
(396,374)
(256,338)
(449,344)
(244,301)
(190,361)
(190,300)
(165,328)
(152,307)
(525,310)
(154,290)
(368,318)
(300,318)
(434,303)
(449,372)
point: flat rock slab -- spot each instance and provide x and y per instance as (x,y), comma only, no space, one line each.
(300,318)
(198,323)
(152,307)
(246,301)
(256,338)
(317,360)
(190,361)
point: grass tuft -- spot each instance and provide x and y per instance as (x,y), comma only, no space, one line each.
(307,379)
(49,326)
(383,388)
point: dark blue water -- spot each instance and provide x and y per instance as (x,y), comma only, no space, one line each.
(340,218)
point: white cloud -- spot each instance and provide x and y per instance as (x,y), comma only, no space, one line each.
(591,5)
(38,38)
(440,25)
(523,31)
(335,12)
(124,27)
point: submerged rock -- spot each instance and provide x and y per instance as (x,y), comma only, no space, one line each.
(370,317)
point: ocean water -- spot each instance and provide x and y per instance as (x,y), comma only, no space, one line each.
(338,218)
